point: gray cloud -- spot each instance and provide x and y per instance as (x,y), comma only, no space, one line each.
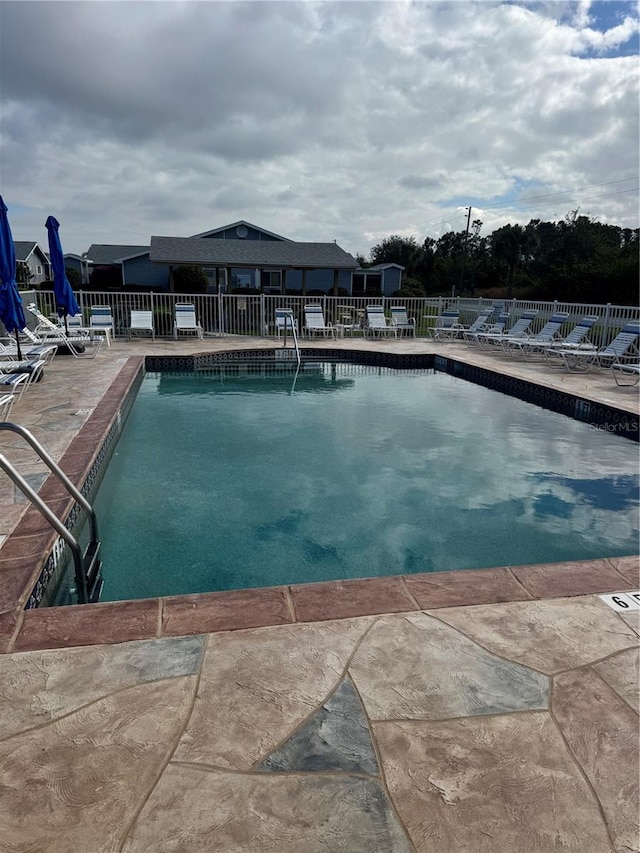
(317,120)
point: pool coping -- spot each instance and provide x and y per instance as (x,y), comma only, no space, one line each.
(28,560)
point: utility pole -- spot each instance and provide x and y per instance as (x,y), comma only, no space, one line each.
(464,255)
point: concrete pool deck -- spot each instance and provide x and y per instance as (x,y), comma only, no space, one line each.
(420,713)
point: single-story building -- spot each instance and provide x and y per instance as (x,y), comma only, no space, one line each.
(242,256)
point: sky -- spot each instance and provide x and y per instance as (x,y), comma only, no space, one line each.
(345,121)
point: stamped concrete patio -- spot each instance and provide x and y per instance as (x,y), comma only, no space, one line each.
(493,711)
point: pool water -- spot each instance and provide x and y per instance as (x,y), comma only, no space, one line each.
(226,480)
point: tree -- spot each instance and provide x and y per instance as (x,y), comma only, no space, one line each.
(190,279)
(508,245)
(23,273)
(397,250)
(74,277)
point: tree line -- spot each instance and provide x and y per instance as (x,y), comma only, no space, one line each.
(573,260)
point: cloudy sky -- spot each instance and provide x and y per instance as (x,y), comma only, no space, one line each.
(345,121)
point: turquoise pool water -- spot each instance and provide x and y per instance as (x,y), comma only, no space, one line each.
(224,481)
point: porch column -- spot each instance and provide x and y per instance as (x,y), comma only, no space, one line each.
(304,281)
(335,282)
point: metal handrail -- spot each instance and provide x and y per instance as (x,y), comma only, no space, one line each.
(41,506)
(288,315)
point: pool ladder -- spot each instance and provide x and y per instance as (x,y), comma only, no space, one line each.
(88,566)
(289,323)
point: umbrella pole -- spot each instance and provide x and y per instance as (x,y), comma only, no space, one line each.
(18,345)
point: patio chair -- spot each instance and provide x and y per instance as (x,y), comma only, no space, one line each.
(622,349)
(530,345)
(283,320)
(444,322)
(101,322)
(32,367)
(46,352)
(401,321)
(470,335)
(6,404)
(14,384)
(141,323)
(519,328)
(377,322)
(314,323)
(185,320)
(47,332)
(457,330)
(629,371)
(577,339)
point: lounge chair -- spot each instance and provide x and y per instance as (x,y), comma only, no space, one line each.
(185,320)
(6,404)
(101,321)
(629,371)
(14,384)
(443,325)
(470,335)
(47,332)
(457,330)
(519,328)
(377,322)
(622,349)
(46,352)
(530,345)
(401,321)
(141,322)
(283,320)
(32,367)
(314,323)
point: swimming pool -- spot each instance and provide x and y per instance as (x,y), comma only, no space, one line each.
(253,476)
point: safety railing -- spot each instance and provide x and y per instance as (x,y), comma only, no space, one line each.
(225,314)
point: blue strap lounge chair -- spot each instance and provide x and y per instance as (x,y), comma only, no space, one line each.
(314,322)
(6,404)
(444,322)
(623,348)
(402,322)
(81,345)
(141,323)
(457,330)
(470,335)
(626,374)
(531,345)
(101,322)
(284,320)
(519,328)
(377,322)
(185,320)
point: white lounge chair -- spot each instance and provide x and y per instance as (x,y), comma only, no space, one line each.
(535,344)
(31,366)
(284,320)
(185,319)
(444,322)
(401,321)
(519,328)
(470,335)
(623,348)
(46,352)
(83,345)
(458,330)
(14,384)
(630,371)
(101,321)
(6,404)
(141,323)
(314,322)
(377,322)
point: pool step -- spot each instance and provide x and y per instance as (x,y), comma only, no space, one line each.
(93,572)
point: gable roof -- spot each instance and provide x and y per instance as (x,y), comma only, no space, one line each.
(247,225)
(250,253)
(106,253)
(25,248)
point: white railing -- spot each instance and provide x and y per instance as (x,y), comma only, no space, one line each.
(254,315)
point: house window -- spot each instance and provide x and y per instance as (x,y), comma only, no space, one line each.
(38,269)
(271,281)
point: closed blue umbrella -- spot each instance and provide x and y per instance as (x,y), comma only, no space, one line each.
(65,300)
(11,311)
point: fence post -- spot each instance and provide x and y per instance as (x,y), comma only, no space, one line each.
(605,329)
(263,321)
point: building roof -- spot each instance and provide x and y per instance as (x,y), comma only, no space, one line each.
(250,253)
(247,225)
(24,248)
(100,254)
